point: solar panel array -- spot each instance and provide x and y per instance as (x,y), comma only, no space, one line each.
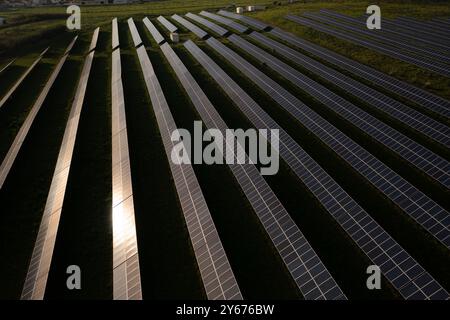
(20,80)
(397,43)
(215,270)
(10,157)
(443,31)
(153,31)
(419,96)
(134,33)
(257,25)
(229,23)
(167,24)
(115,34)
(390,32)
(431,164)
(416,120)
(190,26)
(417,205)
(410,29)
(437,67)
(39,268)
(353,219)
(214,27)
(309,273)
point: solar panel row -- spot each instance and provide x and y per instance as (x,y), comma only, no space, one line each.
(424,26)
(438,22)
(423,98)
(417,121)
(395,44)
(190,26)
(423,159)
(94,39)
(7,65)
(229,23)
(39,268)
(410,29)
(10,157)
(115,34)
(126,271)
(215,270)
(392,33)
(257,25)
(167,24)
(214,27)
(309,273)
(367,234)
(20,80)
(417,205)
(134,33)
(153,31)
(434,66)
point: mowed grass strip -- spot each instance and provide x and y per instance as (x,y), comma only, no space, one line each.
(25,191)
(344,260)
(85,232)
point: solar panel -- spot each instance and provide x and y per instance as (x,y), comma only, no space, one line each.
(389,32)
(257,25)
(153,31)
(423,159)
(215,270)
(306,268)
(434,66)
(20,80)
(424,26)
(214,27)
(10,157)
(39,268)
(94,39)
(126,270)
(417,205)
(395,43)
(229,23)
(167,24)
(115,34)
(7,65)
(416,120)
(423,98)
(190,26)
(439,23)
(134,33)
(352,218)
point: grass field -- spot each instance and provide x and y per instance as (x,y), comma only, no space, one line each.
(85,232)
